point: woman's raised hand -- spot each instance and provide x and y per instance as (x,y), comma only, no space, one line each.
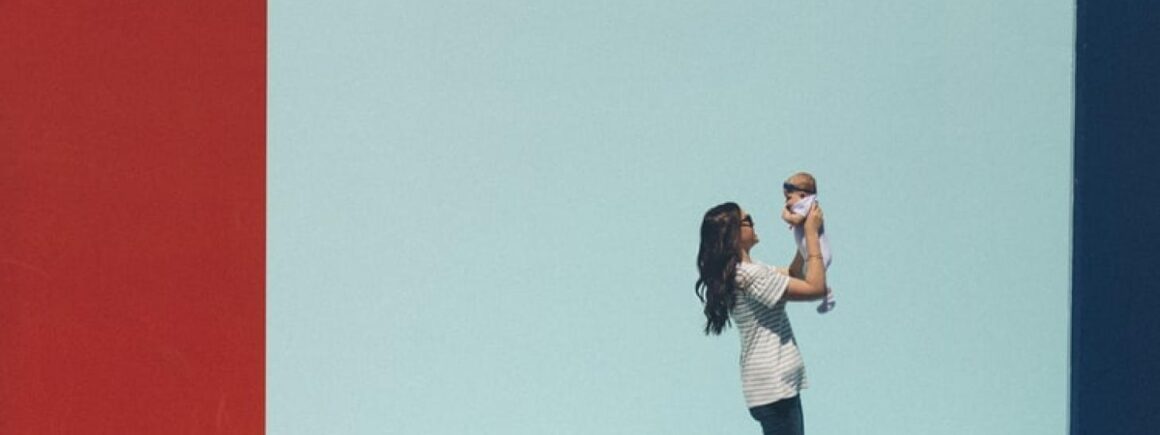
(814,218)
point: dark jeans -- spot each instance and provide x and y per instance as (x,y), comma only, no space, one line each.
(783,417)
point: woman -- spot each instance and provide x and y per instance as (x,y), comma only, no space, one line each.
(731,285)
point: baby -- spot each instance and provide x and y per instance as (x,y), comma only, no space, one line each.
(800,191)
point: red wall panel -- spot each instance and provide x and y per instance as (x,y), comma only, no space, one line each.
(132,217)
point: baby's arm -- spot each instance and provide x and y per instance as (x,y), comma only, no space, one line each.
(793,219)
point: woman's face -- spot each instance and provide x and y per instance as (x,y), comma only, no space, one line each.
(748,236)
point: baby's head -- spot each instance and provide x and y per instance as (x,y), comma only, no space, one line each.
(798,186)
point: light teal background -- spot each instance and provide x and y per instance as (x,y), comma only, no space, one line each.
(483,216)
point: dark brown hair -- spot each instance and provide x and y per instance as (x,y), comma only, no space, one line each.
(717,264)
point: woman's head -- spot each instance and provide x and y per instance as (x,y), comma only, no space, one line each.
(726,233)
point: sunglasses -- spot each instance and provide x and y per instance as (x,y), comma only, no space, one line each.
(791,188)
(747,221)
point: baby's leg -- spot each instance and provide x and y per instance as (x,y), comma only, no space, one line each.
(828,302)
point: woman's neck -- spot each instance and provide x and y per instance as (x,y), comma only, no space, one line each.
(745,256)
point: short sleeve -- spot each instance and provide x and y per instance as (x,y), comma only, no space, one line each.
(762,283)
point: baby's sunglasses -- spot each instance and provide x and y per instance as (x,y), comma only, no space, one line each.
(790,188)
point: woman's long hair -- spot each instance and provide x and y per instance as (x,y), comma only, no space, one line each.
(717,264)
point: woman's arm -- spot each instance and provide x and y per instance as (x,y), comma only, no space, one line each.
(812,286)
(795,267)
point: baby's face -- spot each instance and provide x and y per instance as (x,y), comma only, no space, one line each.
(792,198)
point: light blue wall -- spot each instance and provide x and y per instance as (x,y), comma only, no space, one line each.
(483,215)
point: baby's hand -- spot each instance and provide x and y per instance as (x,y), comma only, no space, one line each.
(791,218)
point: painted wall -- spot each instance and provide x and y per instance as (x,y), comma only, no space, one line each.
(483,216)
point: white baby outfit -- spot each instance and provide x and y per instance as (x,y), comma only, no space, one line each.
(802,208)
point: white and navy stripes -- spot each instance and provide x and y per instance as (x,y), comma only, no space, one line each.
(771,366)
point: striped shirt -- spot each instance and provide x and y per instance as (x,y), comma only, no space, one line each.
(771,366)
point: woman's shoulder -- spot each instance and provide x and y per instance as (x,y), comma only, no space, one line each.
(762,283)
(755,265)
(749,269)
